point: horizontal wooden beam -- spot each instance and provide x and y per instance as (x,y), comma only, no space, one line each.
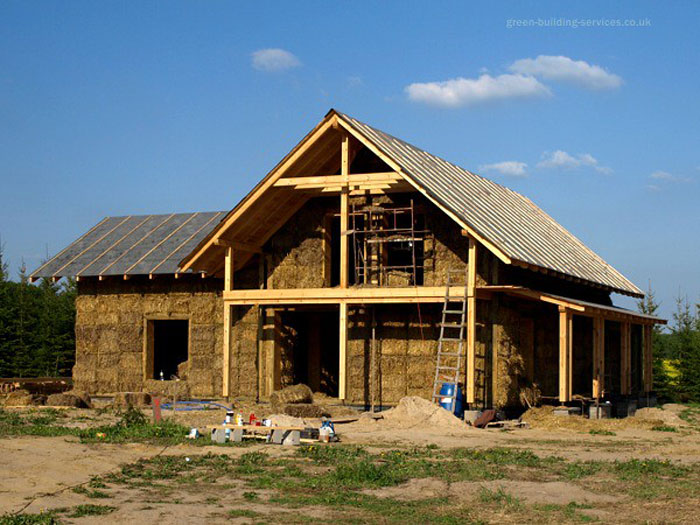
(424,294)
(321,181)
(606,312)
(238,245)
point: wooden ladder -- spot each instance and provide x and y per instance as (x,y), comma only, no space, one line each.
(450,354)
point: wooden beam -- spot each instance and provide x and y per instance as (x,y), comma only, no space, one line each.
(238,246)
(471,322)
(331,180)
(391,163)
(598,357)
(648,359)
(274,175)
(354,295)
(625,358)
(226,367)
(344,238)
(228,270)
(565,353)
(342,351)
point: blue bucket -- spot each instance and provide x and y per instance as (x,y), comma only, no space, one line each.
(446,402)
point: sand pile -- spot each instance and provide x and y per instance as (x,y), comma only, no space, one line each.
(646,418)
(413,411)
(658,416)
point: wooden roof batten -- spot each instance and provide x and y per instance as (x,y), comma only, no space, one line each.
(440,182)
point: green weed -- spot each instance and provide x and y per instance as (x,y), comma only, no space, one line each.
(601,432)
(664,428)
(89,509)
(96,494)
(43,518)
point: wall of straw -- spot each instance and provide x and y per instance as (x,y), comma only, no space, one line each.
(110,332)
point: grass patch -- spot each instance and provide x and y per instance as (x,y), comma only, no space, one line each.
(500,497)
(636,469)
(571,511)
(250,496)
(581,469)
(90,493)
(331,455)
(342,473)
(664,428)
(32,424)
(135,427)
(242,513)
(43,518)
(89,509)
(601,432)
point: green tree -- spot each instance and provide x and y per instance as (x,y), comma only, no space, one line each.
(5,317)
(685,348)
(664,385)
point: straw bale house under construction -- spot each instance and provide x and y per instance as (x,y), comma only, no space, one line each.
(333,271)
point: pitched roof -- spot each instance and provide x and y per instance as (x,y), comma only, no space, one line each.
(511,222)
(132,245)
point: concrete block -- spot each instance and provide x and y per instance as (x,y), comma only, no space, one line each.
(603,411)
(471,415)
(218,435)
(292,438)
(237,435)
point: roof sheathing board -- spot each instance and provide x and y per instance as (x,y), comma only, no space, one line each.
(119,243)
(507,219)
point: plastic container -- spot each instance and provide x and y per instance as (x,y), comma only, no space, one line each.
(446,399)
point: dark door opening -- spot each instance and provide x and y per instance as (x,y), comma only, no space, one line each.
(309,349)
(169,347)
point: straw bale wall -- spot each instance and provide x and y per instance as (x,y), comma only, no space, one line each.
(109,329)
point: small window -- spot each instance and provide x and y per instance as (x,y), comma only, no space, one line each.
(167,344)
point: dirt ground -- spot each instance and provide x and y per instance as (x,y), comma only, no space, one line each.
(564,471)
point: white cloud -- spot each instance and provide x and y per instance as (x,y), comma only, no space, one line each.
(465,91)
(661,175)
(274,59)
(653,187)
(564,69)
(562,160)
(512,168)
(354,81)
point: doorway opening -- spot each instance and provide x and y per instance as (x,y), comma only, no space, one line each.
(309,342)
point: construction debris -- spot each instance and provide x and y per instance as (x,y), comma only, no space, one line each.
(291,395)
(74,398)
(305,410)
(131,399)
(23,398)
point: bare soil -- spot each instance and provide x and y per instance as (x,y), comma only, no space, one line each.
(44,473)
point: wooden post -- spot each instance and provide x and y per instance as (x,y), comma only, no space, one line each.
(228,286)
(471,322)
(648,359)
(228,270)
(345,172)
(565,353)
(598,356)
(343,340)
(625,358)
(260,351)
(226,367)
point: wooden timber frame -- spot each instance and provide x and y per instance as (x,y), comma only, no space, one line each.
(598,387)
(289,177)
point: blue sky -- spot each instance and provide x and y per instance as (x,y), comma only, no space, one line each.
(116,108)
